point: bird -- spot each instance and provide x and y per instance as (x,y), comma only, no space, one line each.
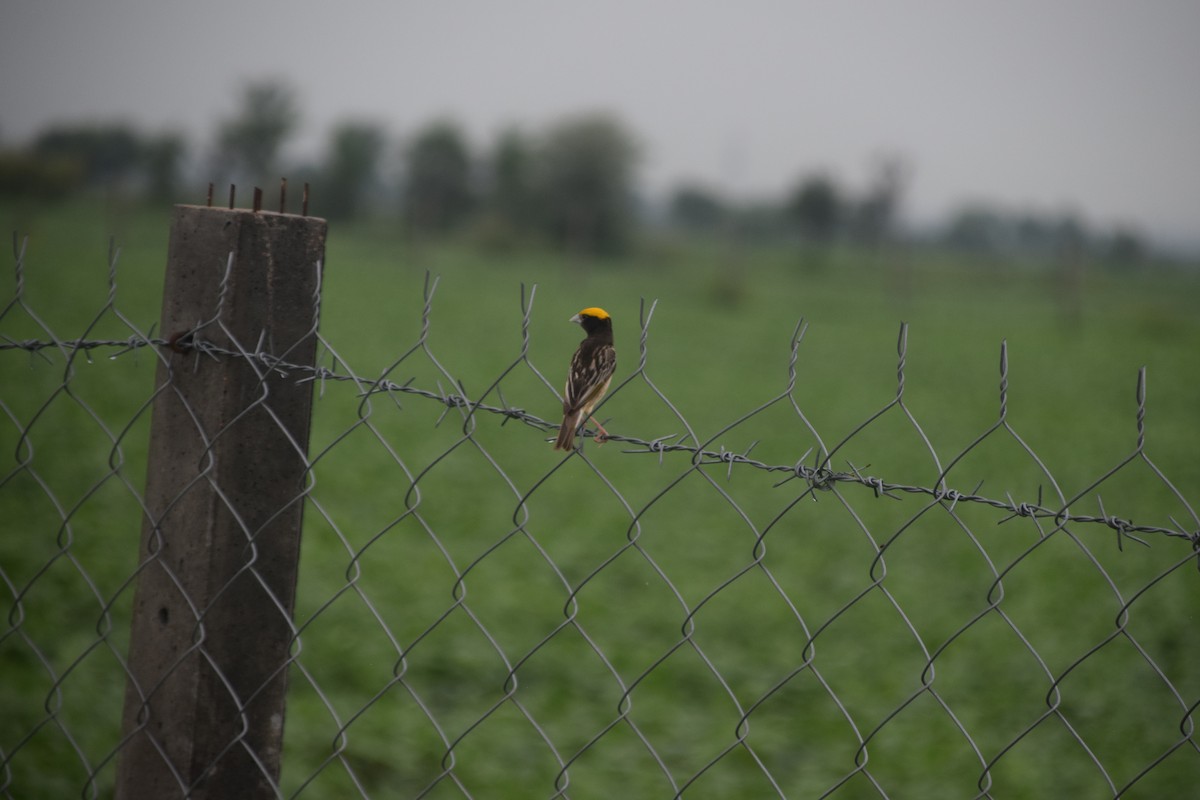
(591,372)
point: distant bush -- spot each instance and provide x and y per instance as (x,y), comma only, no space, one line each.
(39,177)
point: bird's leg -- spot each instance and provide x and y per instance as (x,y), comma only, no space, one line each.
(601,435)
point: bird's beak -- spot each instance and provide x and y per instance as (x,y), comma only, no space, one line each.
(575,319)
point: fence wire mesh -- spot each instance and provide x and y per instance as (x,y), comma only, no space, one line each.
(749,613)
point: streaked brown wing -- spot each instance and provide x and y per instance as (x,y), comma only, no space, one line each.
(591,368)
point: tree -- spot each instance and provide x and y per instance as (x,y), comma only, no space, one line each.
(759,221)
(249,143)
(697,208)
(875,215)
(104,153)
(350,167)
(163,159)
(437,189)
(585,180)
(815,206)
(1126,247)
(1070,235)
(1033,234)
(979,229)
(511,194)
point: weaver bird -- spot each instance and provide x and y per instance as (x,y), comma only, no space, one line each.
(591,372)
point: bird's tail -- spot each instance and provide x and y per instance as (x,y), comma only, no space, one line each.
(566,432)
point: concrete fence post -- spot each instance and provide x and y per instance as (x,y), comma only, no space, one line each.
(220,541)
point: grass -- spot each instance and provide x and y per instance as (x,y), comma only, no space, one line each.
(434,564)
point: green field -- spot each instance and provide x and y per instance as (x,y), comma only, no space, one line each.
(435,562)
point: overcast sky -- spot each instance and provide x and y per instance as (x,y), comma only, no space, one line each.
(1089,105)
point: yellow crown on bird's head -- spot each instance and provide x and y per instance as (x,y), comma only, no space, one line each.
(598,313)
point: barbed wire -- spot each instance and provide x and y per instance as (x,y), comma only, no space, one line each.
(819,476)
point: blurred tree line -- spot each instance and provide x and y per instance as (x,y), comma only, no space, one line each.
(569,185)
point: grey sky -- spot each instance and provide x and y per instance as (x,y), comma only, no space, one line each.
(1088,106)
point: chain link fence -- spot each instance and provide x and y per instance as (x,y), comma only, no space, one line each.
(741,614)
